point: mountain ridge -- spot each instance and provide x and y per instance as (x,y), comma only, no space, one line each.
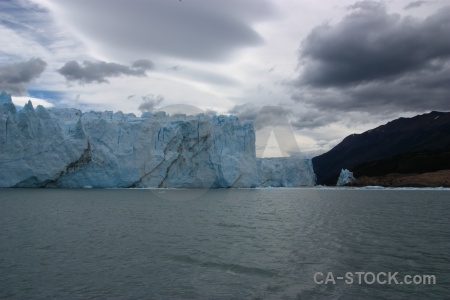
(429,132)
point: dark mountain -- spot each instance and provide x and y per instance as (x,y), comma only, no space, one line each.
(406,145)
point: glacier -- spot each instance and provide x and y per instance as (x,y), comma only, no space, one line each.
(345,177)
(67,148)
(285,172)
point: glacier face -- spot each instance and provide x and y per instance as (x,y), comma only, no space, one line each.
(285,172)
(67,148)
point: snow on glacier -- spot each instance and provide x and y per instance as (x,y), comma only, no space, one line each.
(42,147)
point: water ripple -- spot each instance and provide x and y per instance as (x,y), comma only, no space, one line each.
(226,244)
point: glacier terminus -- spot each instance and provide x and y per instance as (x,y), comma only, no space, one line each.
(67,148)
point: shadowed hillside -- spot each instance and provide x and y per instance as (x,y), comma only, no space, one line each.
(406,145)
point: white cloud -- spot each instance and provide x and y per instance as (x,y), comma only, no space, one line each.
(21,101)
(221,67)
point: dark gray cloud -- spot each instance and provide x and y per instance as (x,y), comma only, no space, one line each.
(262,116)
(378,62)
(245,112)
(13,77)
(177,67)
(418,92)
(367,5)
(201,30)
(149,102)
(143,64)
(90,72)
(370,44)
(313,119)
(415,4)
(271,116)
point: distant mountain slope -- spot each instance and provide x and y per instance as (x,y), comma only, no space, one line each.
(406,145)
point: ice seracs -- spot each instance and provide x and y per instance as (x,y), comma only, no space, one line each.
(34,149)
(67,148)
(345,177)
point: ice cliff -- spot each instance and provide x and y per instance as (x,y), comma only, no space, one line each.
(42,147)
(285,172)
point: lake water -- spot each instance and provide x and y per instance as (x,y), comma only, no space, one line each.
(221,244)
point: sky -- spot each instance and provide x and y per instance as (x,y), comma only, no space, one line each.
(319,70)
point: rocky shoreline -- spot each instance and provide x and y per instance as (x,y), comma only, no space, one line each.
(430,179)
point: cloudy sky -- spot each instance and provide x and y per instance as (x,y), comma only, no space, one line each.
(321,69)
